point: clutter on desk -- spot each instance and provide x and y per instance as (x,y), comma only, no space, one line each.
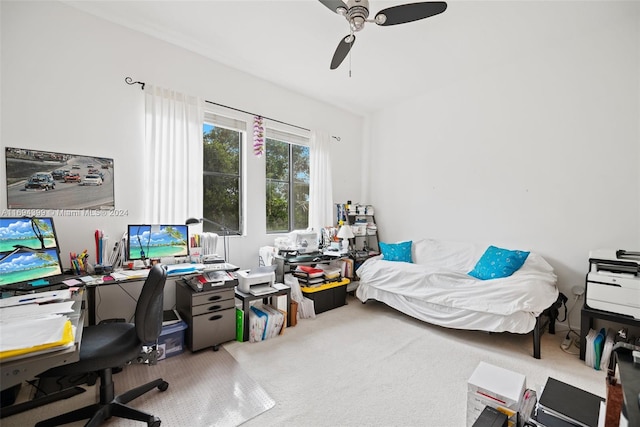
(79,262)
(34,322)
(210,280)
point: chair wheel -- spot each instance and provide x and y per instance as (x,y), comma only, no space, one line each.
(154,423)
(216,347)
(163,387)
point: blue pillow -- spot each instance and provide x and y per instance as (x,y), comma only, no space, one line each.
(496,263)
(396,251)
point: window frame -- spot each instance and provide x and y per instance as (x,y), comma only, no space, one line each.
(292,139)
(237,123)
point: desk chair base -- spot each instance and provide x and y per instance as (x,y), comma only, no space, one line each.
(7,411)
(110,406)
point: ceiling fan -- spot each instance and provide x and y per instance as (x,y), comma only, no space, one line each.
(356,12)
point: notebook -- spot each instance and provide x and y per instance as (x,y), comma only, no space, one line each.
(570,403)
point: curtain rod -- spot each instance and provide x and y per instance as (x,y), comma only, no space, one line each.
(129,81)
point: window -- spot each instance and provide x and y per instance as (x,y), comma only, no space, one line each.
(222,173)
(287,174)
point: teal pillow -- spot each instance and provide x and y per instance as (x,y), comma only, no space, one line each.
(497,262)
(396,251)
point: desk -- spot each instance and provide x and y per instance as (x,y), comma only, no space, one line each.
(24,367)
(586,323)
(247,298)
(21,368)
(630,380)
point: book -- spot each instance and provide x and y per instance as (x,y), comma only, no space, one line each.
(311,272)
(598,345)
(606,351)
(257,324)
(547,419)
(569,403)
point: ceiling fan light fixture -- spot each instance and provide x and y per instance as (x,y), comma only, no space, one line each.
(342,11)
(381,18)
(357,23)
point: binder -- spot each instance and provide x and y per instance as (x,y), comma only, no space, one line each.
(589,356)
(569,403)
(239,325)
(598,345)
(606,351)
(257,324)
(275,322)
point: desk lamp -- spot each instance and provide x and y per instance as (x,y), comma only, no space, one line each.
(345,234)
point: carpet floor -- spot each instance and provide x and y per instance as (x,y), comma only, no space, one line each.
(356,365)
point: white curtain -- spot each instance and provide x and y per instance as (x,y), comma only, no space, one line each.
(321,188)
(172,182)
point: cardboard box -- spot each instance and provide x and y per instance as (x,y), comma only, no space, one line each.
(496,387)
(171,340)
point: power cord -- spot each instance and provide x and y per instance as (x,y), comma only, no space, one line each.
(570,341)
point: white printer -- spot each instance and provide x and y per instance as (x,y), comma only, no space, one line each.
(258,281)
(613,281)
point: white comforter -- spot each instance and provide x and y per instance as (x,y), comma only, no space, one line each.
(452,298)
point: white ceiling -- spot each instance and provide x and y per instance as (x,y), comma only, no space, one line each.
(291,43)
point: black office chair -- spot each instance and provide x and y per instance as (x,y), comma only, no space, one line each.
(111,345)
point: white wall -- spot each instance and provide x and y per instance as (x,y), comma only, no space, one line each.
(536,150)
(63,90)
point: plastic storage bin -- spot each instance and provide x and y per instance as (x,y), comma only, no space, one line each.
(171,340)
(328,296)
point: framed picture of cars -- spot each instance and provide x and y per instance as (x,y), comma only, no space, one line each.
(46,180)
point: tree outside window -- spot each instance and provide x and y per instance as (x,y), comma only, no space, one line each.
(222,155)
(287,174)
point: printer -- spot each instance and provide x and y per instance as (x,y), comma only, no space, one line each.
(258,281)
(613,282)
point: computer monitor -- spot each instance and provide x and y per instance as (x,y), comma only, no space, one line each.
(33,233)
(157,241)
(24,269)
(29,252)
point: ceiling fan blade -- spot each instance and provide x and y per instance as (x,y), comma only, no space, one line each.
(342,50)
(409,12)
(333,5)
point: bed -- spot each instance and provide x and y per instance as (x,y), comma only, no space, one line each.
(430,279)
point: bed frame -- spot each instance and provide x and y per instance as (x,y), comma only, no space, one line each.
(551,316)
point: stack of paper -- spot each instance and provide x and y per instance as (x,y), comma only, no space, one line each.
(598,348)
(34,327)
(331,274)
(309,276)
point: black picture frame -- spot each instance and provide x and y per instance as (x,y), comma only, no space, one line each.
(37,179)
